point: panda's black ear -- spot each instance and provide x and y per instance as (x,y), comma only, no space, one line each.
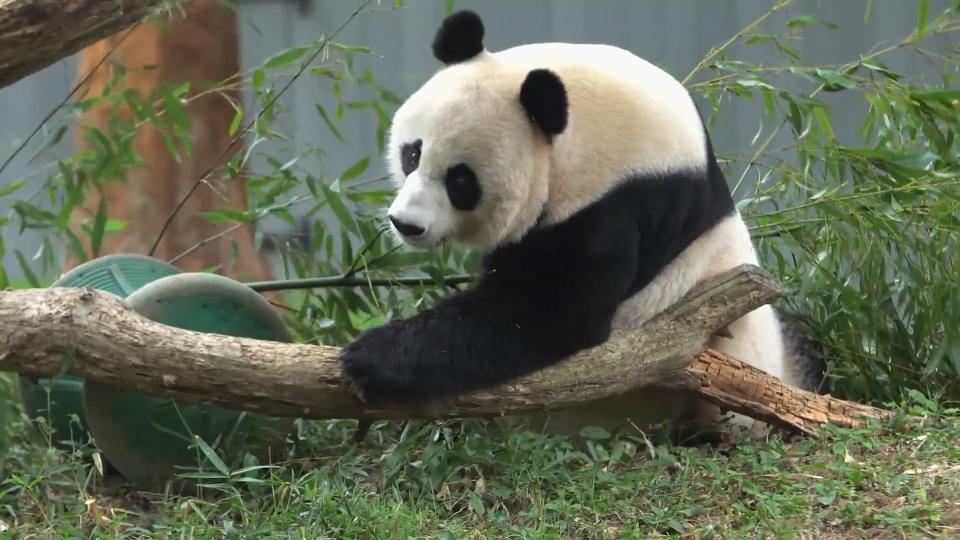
(459,38)
(544,97)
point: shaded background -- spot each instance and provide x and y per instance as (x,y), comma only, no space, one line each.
(675,34)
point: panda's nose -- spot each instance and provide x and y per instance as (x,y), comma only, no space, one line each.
(406,229)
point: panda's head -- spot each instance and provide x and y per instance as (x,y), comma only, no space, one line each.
(469,150)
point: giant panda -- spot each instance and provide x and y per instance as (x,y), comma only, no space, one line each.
(586,177)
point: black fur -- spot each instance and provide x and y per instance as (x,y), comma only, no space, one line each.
(459,38)
(544,97)
(810,354)
(544,298)
(410,156)
(463,188)
(406,229)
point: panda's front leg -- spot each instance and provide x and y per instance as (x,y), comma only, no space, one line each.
(469,341)
(488,335)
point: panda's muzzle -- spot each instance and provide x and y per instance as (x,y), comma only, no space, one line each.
(407,229)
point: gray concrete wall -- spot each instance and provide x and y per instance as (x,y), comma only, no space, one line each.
(672,33)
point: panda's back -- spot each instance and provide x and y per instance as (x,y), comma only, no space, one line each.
(627,118)
(613,60)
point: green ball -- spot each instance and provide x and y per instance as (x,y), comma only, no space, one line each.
(148,439)
(119,274)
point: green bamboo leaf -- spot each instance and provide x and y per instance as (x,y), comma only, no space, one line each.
(50,142)
(171,146)
(339,209)
(346,249)
(212,456)
(922,18)
(283,58)
(174,109)
(283,214)
(224,214)
(12,188)
(594,433)
(32,216)
(326,119)
(882,70)
(948,96)
(27,271)
(99,226)
(834,81)
(75,246)
(823,119)
(753,82)
(181,90)
(761,38)
(99,140)
(350,48)
(355,170)
(259,77)
(116,225)
(806,20)
(235,123)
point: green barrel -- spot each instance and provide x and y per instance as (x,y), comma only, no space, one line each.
(148,439)
(59,399)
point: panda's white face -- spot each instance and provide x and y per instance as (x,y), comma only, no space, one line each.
(469,166)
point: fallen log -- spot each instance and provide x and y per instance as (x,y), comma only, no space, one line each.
(97,336)
(36,33)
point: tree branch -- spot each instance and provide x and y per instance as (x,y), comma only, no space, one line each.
(97,336)
(353,281)
(36,33)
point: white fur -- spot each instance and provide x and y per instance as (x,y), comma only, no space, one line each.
(420,198)
(728,244)
(625,116)
(757,340)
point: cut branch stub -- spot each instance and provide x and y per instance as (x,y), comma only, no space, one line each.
(733,385)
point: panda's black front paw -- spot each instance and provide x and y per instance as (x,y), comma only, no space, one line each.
(376,366)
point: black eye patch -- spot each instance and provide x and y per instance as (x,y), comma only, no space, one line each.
(410,156)
(463,189)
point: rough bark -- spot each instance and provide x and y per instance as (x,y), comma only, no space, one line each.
(736,386)
(86,332)
(37,33)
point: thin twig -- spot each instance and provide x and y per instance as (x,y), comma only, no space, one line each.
(206,241)
(713,53)
(353,281)
(230,229)
(352,269)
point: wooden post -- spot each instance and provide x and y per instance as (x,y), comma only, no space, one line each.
(202,49)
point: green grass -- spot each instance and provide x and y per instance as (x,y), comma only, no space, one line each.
(863,232)
(472,480)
